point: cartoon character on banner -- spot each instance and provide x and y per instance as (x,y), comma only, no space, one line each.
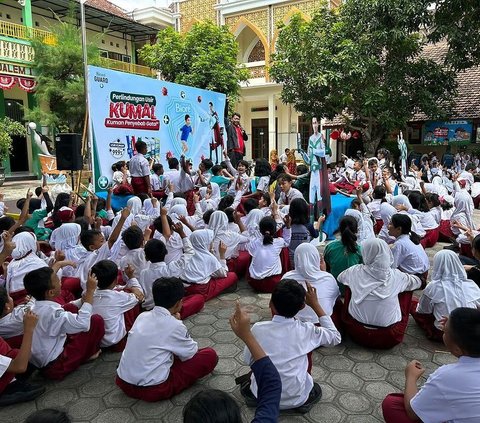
(402,147)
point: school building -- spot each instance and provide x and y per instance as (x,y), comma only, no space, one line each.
(116,33)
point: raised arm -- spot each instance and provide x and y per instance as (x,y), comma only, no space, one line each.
(118,229)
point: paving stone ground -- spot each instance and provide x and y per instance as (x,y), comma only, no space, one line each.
(354,380)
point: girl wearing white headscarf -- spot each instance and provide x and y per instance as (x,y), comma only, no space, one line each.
(403,206)
(24,260)
(252,222)
(386,213)
(462,219)
(363,217)
(448,290)
(234,241)
(204,274)
(375,315)
(307,269)
(210,196)
(66,239)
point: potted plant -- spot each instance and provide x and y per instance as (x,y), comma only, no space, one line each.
(8,128)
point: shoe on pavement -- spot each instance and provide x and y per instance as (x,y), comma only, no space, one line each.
(18,391)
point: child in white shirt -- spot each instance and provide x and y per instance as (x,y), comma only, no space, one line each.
(160,359)
(155,253)
(118,308)
(52,351)
(289,353)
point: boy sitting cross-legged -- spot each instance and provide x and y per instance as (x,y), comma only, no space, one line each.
(118,308)
(52,351)
(288,342)
(160,359)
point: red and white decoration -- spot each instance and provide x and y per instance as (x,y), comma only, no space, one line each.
(8,81)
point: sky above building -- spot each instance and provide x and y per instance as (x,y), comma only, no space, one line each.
(130,5)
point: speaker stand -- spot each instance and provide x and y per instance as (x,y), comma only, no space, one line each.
(72,180)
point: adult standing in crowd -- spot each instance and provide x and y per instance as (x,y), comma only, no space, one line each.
(236,137)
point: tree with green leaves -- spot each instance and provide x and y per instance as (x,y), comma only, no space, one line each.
(457,22)
(60,92)
(205,57)
(363,62)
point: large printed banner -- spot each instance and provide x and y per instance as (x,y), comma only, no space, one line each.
(443,133)
(170,118)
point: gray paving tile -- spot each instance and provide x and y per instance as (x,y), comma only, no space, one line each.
(354,380)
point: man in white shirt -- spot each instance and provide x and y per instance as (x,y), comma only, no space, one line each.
(452,392)
(172,175)
(160,359)
(140,170)
(284,157)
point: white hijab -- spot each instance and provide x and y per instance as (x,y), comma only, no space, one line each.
(464,207)
(386,213)
(219,225)
(66,240)
(24,261)
(203,263)
(374,275)
(401,200)
(176,211)
(149,209)
(307,264)
(135,205)
(365,228)
(252,221)
(449,275)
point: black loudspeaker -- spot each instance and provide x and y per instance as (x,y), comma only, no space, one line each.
(68,148)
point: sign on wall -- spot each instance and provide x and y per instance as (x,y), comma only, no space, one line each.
(443,133)
(170,118)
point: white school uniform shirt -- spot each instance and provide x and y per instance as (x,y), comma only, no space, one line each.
(426,219)
(12,324)
(375,286)
(174,246)
(172,176)
(307,269)
(408,257)
(155,338)
(374,208)
(289,196)
(136,258)
(360,176)
(203,265)
(451,394)
(54,324)
(154,271)
(111,304)
(266,258)
(138,166)
(157,182)
(475,189)
(436,213)
(449,288)
(235,242)
(287,342)
(92,257)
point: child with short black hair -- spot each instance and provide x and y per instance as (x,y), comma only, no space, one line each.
(158,182)
(118,308)
(97,249)
(134,239)
(290,354)
(160,359)
(55,353)
(288,193)
(452,392)
(155,253)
